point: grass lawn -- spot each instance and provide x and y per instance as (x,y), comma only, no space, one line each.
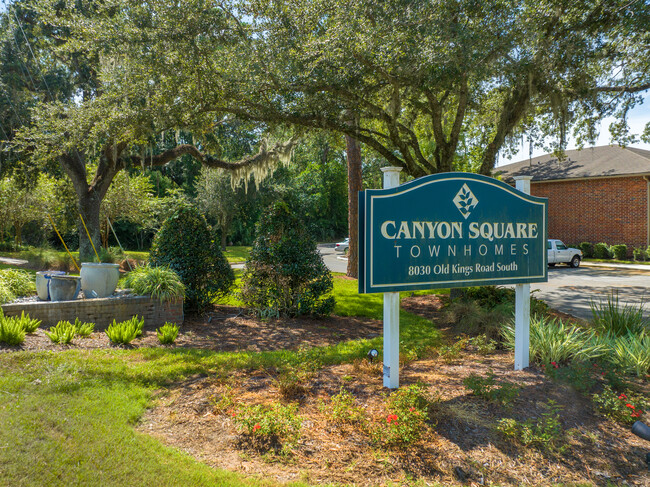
(237,254)
(68,418)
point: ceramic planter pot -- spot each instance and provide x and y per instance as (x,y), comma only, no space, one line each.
(43,283)
(64,288)
(99,280)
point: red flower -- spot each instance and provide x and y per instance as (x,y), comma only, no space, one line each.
(636,414)
(256,427)
(391,417)
(622,396)
(411,409)
(629,405)
(602,373)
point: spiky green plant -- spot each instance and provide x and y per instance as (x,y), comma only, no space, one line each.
(83,329)
(630,353)
(62,333)
(167,333)
(11,331)
(126,331)
(552,340)
(610,317)
(29,325)
(160,283)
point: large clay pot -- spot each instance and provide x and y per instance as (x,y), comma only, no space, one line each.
(43,283)
(64,288)
(99,280)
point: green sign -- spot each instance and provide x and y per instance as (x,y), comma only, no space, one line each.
(450,230)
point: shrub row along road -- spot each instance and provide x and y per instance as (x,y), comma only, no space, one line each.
(568,290)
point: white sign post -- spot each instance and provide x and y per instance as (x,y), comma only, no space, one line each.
(522,303)
(391,309)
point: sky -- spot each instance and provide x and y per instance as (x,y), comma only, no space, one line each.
(637,119)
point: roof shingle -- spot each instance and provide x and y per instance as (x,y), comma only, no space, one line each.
(586,163)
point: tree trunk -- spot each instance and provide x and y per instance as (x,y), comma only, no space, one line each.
(89,204)
(354,186)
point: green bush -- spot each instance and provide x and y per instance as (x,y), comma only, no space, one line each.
(587,249)
(160,283)
(185,245)
(552,340)
(619,252)
(11,331)
(611,318)
(167,333)
(20,282)
(126,331)
(640,254)
(63,332)
(285,275)
(601,251)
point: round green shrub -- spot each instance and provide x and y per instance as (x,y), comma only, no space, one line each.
(285,275)
(640,254)
(587,250)
(619,251)
(185,244)
(601,251)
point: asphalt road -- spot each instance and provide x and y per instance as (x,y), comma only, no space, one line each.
(568,290)
(573,290)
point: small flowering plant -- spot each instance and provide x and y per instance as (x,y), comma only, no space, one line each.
(407,418)
(625,407)
(269,426)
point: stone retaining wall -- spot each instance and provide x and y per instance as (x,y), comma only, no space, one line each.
(101,311)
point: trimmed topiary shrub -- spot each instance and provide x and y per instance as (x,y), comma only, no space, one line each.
(601,251)
(285,275)
(640,254)
(185,244)
(587,250)
(619,251)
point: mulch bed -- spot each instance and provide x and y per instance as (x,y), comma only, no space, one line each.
(462,448)
(225,328)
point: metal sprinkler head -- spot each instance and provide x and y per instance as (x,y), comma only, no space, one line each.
(372,354)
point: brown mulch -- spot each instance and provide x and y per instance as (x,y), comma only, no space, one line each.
(461,447)
(225,328)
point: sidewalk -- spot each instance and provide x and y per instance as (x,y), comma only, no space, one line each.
(614,265)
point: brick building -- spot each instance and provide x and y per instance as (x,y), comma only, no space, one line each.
(599,194)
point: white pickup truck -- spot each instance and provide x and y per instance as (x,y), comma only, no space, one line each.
(560,253)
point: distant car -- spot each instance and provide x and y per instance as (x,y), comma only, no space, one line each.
(560,253)
(343,246)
